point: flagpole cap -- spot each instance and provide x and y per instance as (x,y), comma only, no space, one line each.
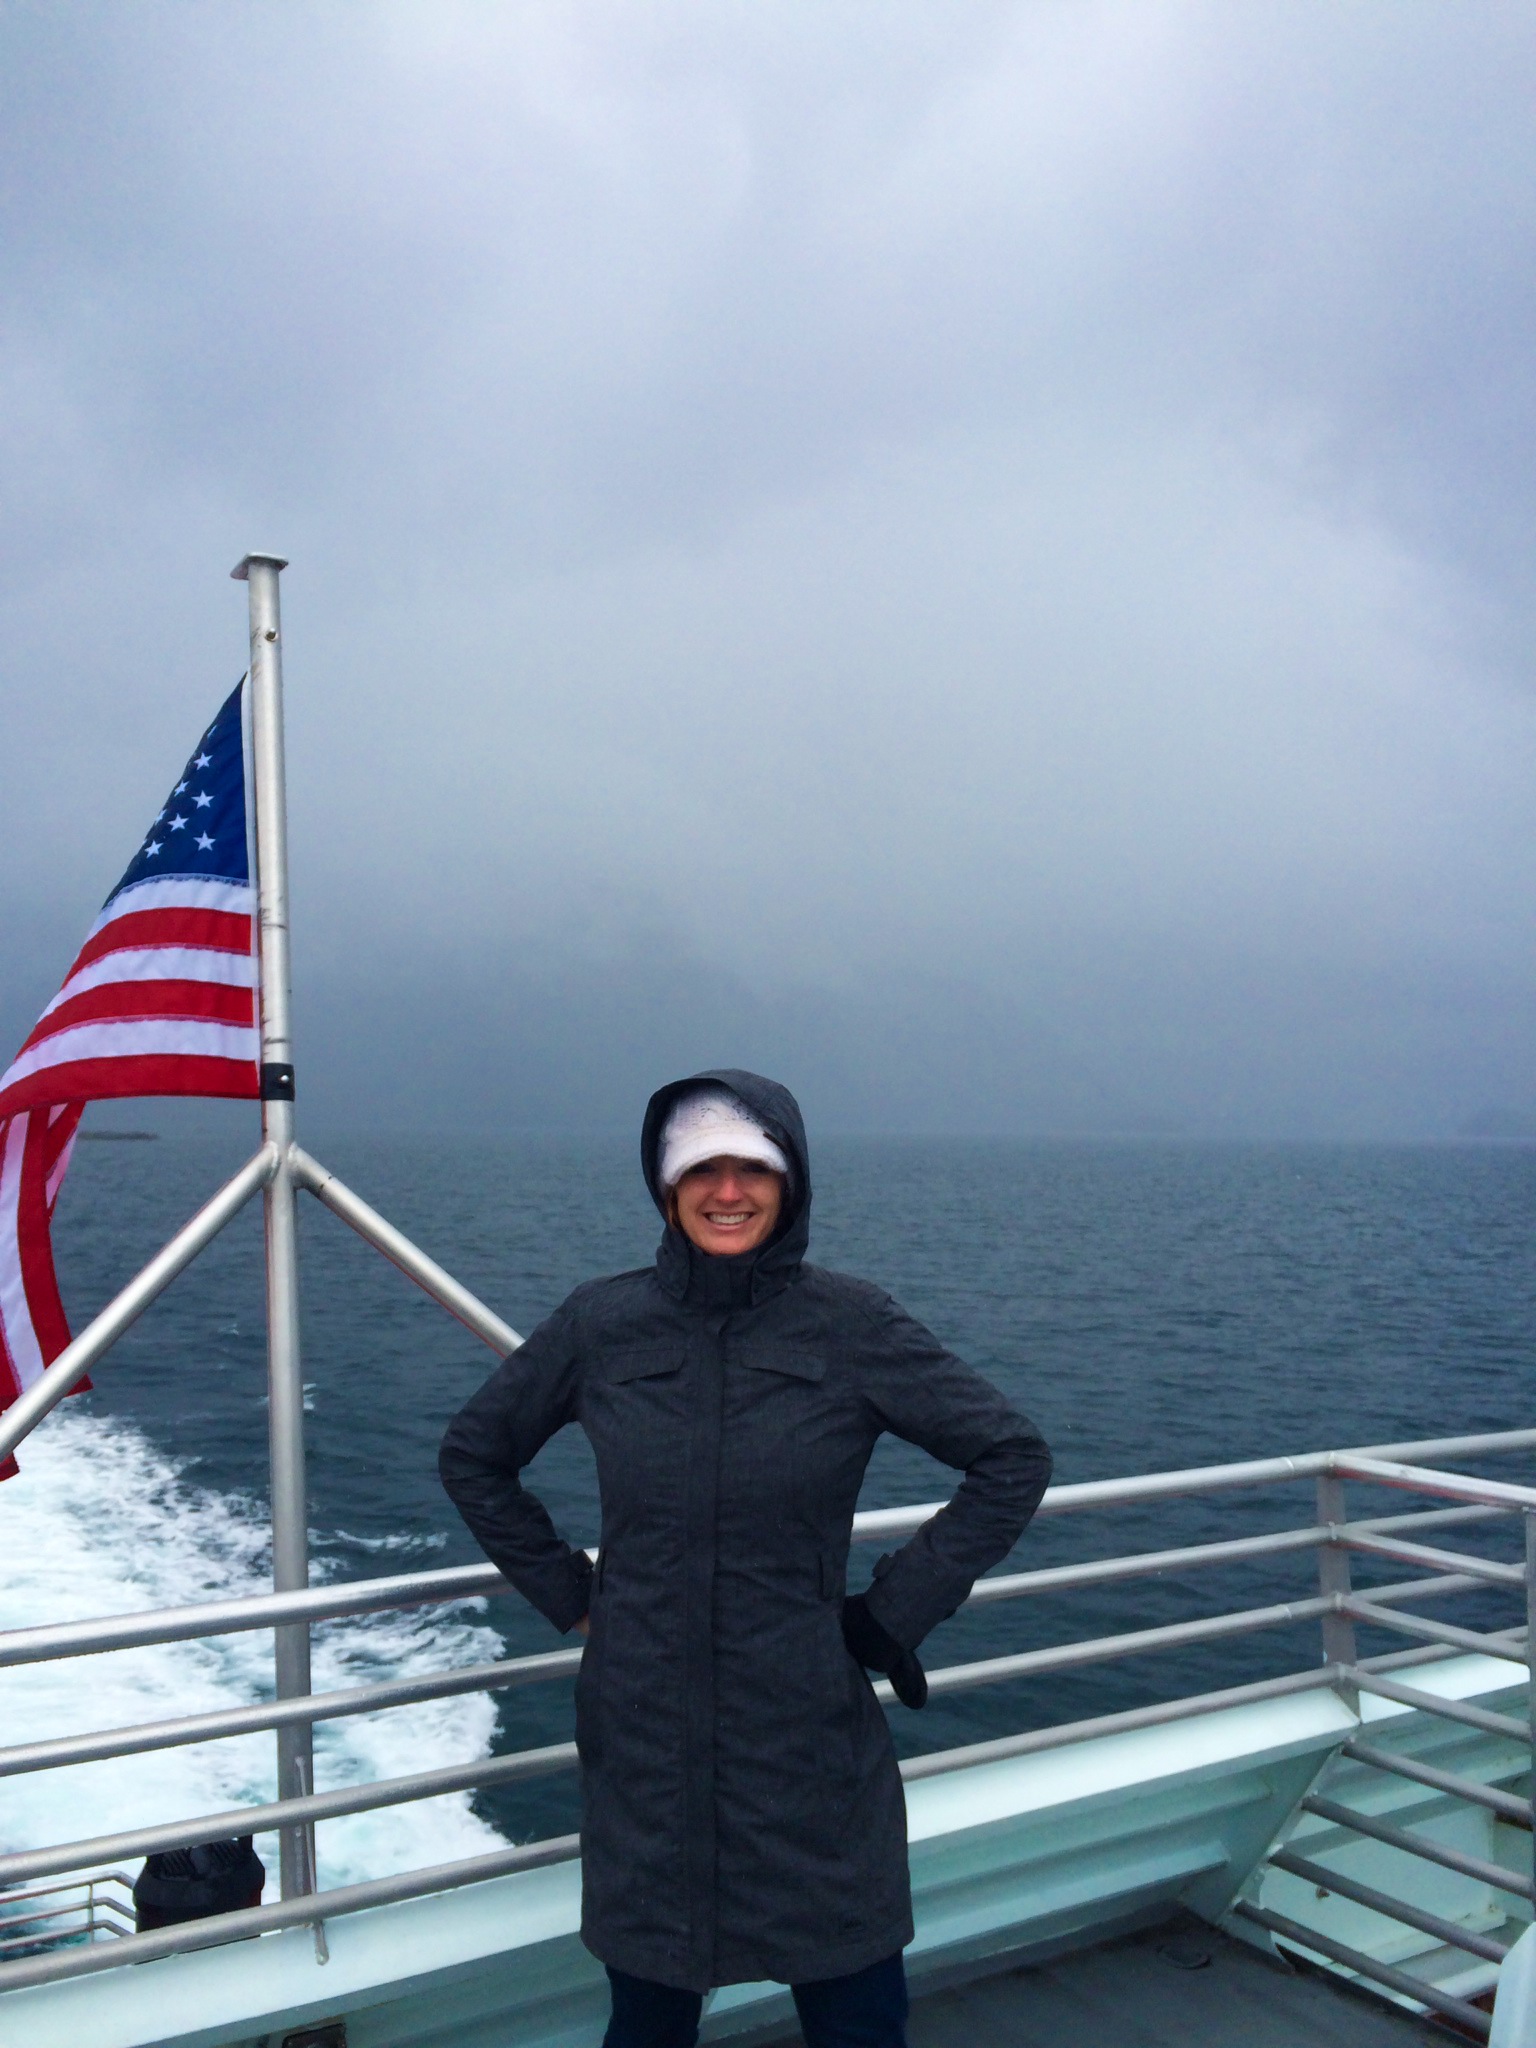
(241,572)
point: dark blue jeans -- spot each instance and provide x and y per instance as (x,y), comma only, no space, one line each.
(865,2010)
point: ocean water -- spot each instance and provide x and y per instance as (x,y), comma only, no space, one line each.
(1151,1305)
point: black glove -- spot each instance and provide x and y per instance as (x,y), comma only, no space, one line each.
(878,1650)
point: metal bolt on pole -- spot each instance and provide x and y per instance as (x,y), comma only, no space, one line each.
(285,1376)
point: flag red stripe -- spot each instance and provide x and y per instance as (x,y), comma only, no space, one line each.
(222,931)
(120,999)
(37,1274)
(10,1372)
(135,1074)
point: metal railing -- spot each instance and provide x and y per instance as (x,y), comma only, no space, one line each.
(1338,1607)
(99,1906)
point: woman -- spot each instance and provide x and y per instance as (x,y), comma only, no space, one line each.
(742,1812)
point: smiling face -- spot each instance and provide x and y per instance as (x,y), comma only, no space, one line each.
(728,1205)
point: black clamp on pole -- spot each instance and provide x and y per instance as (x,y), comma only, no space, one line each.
(276,1081)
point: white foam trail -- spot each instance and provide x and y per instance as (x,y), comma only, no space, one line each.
(100,1522)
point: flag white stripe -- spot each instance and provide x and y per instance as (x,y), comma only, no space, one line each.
(160,963)
(177,892)
(60,1168)
(20,1337)
(133,1037)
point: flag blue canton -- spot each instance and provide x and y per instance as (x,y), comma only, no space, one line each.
(200,832)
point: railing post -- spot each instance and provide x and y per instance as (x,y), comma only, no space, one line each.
(285,1376)
(1529,1518)
(1333,1577)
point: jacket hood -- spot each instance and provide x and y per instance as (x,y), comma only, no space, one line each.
(679,1264)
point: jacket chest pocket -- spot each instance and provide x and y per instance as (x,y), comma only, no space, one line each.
(644,1362)
(636,1414)
(793,1362)
(781,1435)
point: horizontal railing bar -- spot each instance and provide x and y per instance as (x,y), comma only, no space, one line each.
(297,1912)
(1382,1471)
(250,1611)
(411,1260)
(876,1524)
(87,1926)
(20,1864)
(92,1913)
(1431,1631)
(1505,1804)
(75,1884)
(79,1897)
(1417,1988)
(1393,1547)
(1400,1660)
(1147,1563)
(268,1714)
(1432,1703)
(1129,1720)
(125,1307)
(1475,1867)
(86,1906)
(1143,1564)
(1101,1649)
(1448,1931)
(1172,1635)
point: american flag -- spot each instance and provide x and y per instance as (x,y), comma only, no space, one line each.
(161,1000)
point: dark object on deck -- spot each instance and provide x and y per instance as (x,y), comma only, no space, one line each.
(1185,1952)
(194,1884)
(332,2035)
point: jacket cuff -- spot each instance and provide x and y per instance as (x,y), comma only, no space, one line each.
(564,1593)
(907,1598)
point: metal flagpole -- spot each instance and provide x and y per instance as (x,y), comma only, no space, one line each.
(285,1377)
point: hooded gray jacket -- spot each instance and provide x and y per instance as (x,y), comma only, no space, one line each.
(742,1811)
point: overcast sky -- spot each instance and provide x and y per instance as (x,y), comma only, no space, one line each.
(977,558)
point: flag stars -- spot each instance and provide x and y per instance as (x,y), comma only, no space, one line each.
(202,800)
(180,789)
(204,843)
(152,849)
(202,761)
(178,824)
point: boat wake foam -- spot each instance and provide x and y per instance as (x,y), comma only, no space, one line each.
(101,1522)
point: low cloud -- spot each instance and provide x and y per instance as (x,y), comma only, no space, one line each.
(982,563)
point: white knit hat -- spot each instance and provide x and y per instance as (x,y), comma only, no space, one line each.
(710,1124)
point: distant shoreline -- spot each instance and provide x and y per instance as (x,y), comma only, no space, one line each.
(117,1137)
